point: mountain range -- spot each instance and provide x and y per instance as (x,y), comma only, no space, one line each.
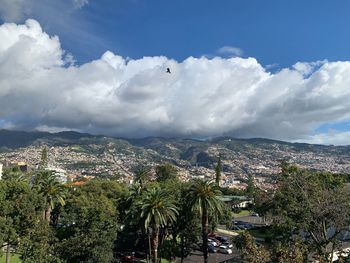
(256,156)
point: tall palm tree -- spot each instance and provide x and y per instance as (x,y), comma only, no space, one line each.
(131,206)
(52,191)
(203,196)
(157,211)
(142,176)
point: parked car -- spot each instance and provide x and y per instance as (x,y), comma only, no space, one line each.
(228,244)
(211,234)
(222,239)
(211,249)
(225,250)
(216,240)
(254,214)
(128,257)
(238,222)
(242,227)
(236,228)
(213,242)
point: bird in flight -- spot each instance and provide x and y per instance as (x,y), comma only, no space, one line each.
(168,70)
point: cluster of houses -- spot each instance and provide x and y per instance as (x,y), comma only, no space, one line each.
(59,173)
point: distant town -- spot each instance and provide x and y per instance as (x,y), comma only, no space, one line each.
(119,159)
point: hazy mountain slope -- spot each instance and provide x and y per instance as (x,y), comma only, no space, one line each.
(240,156)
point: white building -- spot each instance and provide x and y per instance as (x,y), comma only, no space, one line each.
(59,173)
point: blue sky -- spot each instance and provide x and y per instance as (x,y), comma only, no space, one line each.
(273,31)
(282,55)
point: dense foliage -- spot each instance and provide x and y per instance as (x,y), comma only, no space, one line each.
(43,220)
(308,212)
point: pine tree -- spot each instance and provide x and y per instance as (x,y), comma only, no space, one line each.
(44,160)
(218,169)
(250,186)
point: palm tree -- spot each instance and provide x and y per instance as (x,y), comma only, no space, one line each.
(131,206)
(203,196)
(218,169)
(157,211)
(52,191)
(142,176)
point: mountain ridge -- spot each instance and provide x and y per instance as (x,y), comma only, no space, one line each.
(17,138)
(99,155)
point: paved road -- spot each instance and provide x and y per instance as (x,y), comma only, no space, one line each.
(197,256)
(256,220)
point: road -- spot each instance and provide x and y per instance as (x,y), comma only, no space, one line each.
(255,220)
(197,255)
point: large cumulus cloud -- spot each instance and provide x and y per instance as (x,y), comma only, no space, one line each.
(113,95)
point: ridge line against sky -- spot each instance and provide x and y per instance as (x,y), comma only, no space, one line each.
(213,94)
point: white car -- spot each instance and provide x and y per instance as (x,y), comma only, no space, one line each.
(228,245)
(210,241)
(225,250)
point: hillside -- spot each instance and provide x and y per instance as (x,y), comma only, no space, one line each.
(87,154)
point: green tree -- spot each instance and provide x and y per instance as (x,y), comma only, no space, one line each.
(111,189)
(129,208)
(157,211)
(187,227)
(19,216)
(38,245)
(249,250)
(288,251)
(226,216)
(218,169)
(142,175)
(88,228)
(203,197)
(166,172)
(51,190)
(44,160)
(250,190)
(313,203)
(292,251)
(14,173)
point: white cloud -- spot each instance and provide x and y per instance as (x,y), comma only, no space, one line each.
(53,129)
(271,66)
(69,22)
(127,97)
(80,3)
(231,51)
(306,68)
(329,138)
